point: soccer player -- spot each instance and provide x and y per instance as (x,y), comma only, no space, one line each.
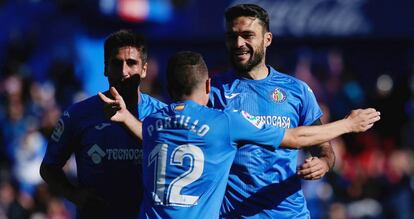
(189,148)
(265,183)
(108,156)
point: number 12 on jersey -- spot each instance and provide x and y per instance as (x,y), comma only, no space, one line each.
(170,194)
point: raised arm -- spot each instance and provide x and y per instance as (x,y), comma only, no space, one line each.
(358,121)
(116,110)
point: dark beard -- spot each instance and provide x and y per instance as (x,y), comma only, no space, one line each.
(128,89)
(251,63)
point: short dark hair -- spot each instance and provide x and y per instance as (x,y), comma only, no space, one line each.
(248,10)
(124,38)
(186,70)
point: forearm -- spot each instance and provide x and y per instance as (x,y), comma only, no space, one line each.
(134,125)
(324,152)
(305,136)
(57,181)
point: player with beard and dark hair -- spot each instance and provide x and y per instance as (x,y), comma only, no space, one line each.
(189,148)
(108,156)
(265,183)
(259,25)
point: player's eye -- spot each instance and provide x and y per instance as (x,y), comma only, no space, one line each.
(248,35)
(131,62)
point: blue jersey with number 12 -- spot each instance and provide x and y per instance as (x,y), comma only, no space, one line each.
(188,151)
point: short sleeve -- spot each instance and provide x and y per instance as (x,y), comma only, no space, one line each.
(245,128)
(61,142)
(311,110)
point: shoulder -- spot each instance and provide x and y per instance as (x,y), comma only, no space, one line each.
(208,114)
(85,107)
(290,82)
(148,100)
(72,118)
(232,114)
(285,76)
(235,113)
(150,117)
(148,105)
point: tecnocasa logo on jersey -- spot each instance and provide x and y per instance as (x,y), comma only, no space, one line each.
(279,95)
(97,154)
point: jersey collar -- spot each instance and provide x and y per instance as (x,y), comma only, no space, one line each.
(272,71)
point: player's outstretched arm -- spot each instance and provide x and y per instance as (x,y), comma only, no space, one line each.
(359,120)
(117,111)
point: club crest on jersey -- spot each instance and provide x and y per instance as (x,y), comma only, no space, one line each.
(279,95)
(179,107)
(252,119)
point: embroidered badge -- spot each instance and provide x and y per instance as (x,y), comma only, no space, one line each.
(279,95)
(180,107)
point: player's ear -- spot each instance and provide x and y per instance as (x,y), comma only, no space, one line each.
(144,70)
(208,86)
(268,38)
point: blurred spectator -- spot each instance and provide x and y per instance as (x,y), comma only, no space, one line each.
(65,82)
(28,157)
(57,210)
(9,204)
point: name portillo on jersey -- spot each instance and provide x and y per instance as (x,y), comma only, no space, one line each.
(179,121)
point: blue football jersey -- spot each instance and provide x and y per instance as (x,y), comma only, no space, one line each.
(108,156)
(188,151)
(263,183)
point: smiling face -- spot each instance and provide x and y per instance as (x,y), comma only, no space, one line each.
(246,41)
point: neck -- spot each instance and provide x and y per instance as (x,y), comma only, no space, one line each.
(258,72)
(200,99)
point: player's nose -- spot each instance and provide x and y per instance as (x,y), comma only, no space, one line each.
(240,42)
(125,71)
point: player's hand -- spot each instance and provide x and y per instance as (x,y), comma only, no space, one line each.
(114,109)
(361,120)
(86,198)
(313,168)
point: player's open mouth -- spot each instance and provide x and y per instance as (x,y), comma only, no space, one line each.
(241,55)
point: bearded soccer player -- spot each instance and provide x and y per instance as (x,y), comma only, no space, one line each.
(108,156)
(265,183)
(189,148)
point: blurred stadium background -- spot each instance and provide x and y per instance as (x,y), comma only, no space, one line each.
(352,53)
